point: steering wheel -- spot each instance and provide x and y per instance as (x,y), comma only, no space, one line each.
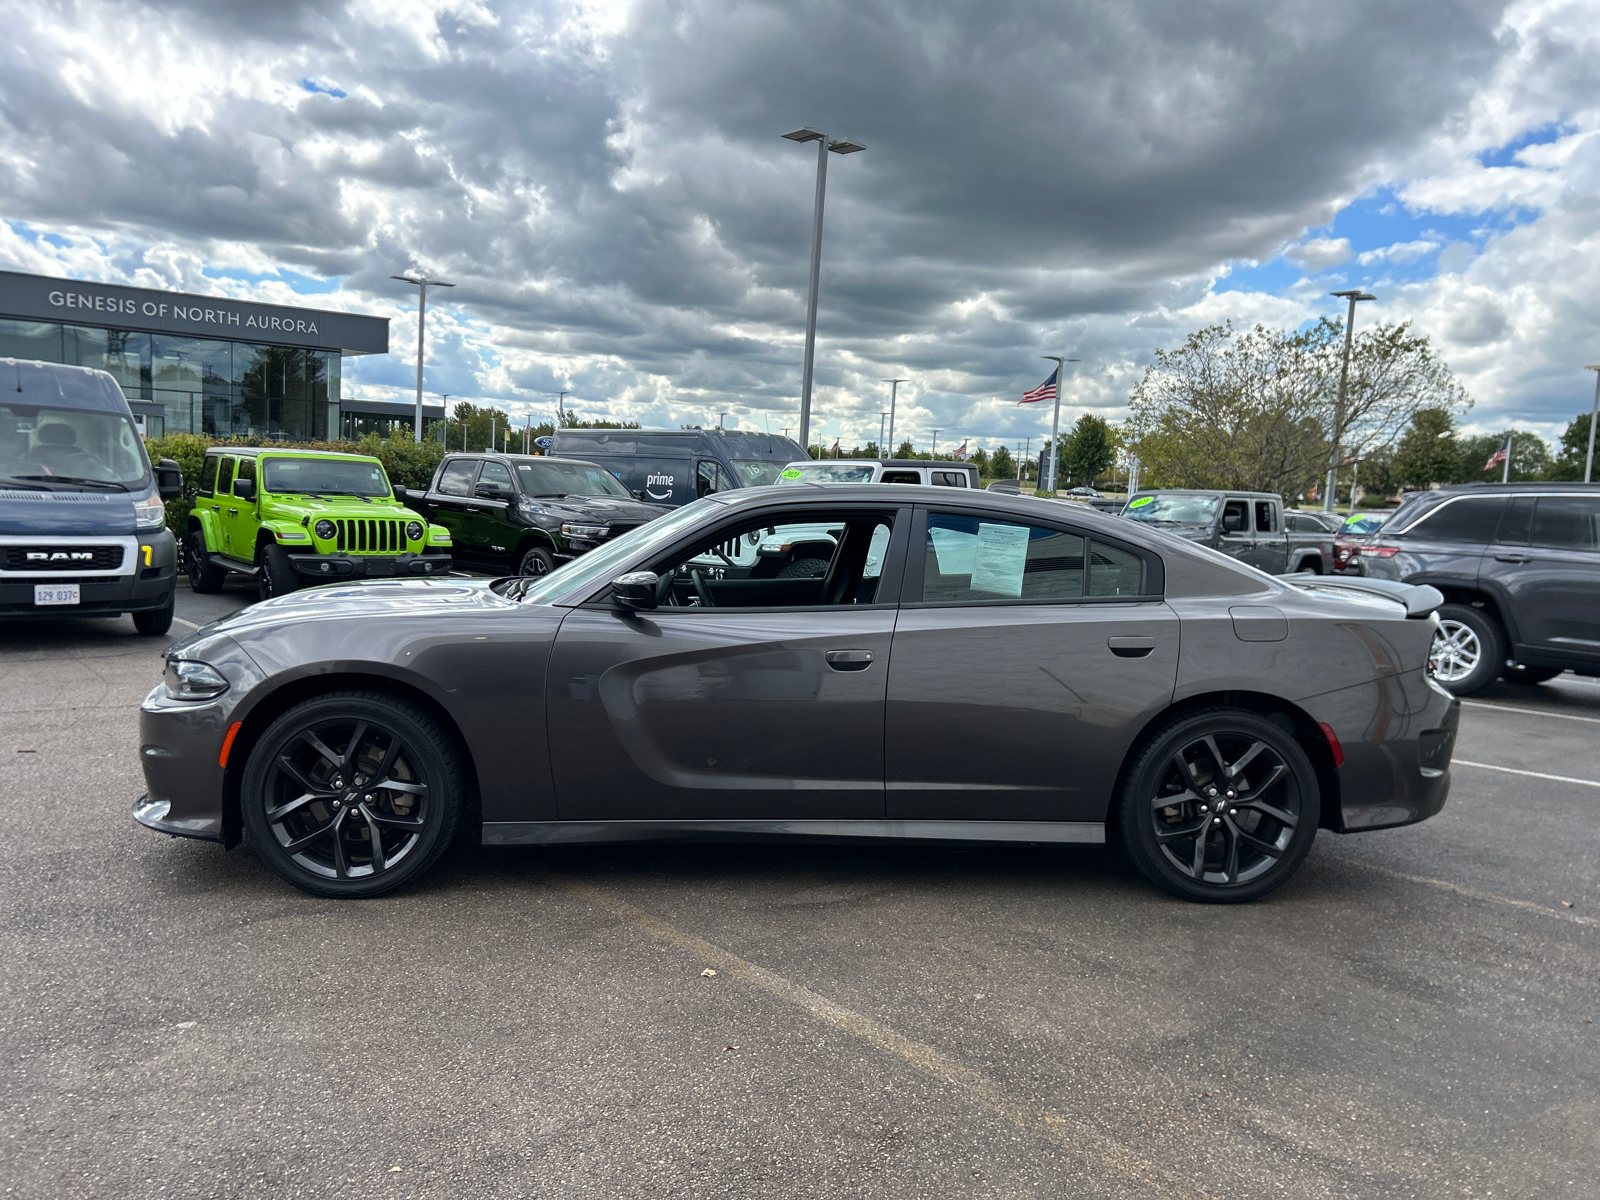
(701,590)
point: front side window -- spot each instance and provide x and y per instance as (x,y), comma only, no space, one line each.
(1236,517)
(496,475)
(705,480)
(552,479)
(247,470)
(457,476)
(757,472)
(1567,523)
(1471,519)
(37,442)
(325,477)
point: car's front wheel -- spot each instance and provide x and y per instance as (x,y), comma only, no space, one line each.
(1468,652)
(278,576)
(536,561)
(1220,805)
(351,795)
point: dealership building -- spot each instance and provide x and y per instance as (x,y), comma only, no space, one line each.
(202,364)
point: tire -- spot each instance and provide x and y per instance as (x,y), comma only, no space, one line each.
(804,568)
(1468,652)
(1528,676)
(299,790)
(536,561)
(204,575)
(1238,846)
(278,577)
(155,621)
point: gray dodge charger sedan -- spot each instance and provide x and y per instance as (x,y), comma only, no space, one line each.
(823,661)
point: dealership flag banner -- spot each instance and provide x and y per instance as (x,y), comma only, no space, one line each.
(1045,391)
(961,454)
(1500,455)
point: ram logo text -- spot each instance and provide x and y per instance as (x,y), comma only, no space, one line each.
(60,555)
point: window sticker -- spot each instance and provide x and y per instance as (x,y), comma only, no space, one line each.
(1142,501)
(999,559)
(954,549)
(790,473)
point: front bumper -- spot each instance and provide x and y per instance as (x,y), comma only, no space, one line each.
(329,567)
(179,745)
(148,585)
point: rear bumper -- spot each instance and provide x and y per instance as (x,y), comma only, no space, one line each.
(147,586)
(329,567)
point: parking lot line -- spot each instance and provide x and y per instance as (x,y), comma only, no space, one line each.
(1478,894)
(1532,712)
(1462,762)
(979,1088)
(181,621)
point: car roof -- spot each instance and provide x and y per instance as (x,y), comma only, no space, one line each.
(1501,489)
(256,451)
(1205,492)
(1024,507)
(889,462)
(56,385)
(514,459)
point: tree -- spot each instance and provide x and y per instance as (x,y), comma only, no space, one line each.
(1256,410)
(1574,450)
(1530,458)
(1088,451)
(1429,452)
(979,458)
(907,450)
(1001,466)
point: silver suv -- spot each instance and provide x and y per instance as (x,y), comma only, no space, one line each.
(1519,566)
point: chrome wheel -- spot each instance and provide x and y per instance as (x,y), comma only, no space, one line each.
(1455,653)
(345,799)
(1225,810)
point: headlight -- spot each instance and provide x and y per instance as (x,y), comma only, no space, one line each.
(326,529)
(586,531)
(193,680)
(414,531)
(149,513)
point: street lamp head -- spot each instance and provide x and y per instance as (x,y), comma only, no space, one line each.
(1592,368)
(1354,294)
(845,146)
(805,134)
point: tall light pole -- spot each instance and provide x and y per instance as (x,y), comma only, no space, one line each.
(422,286)
(561,409)
(934,453)
(881,418)
(1055,421)
(444,400)
(1355,296)
(720,417)
(894,391)
(824,145)
(1588,463)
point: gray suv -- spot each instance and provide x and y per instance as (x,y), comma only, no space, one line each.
(1519,566)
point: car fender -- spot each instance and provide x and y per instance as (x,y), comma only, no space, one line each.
(1299,556)
(210,524)
(438,535)
(281,529)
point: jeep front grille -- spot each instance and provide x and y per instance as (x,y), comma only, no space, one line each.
(45,557)
(371,536)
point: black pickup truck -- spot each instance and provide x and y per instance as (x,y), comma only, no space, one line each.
(526,515)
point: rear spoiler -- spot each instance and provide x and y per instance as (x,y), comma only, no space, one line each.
(1419,599)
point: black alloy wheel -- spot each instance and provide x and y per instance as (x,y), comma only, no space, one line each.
(351,795)
(155,621)
(278,577)
(1220,806)
(1468,651)
(1528,676)
(536,561)
(204,575)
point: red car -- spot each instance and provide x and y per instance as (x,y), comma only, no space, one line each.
(1356,531)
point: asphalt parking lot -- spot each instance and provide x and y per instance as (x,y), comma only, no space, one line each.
(1414,1015)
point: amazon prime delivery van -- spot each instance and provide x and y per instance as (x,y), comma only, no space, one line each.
(675,466)
(82,524)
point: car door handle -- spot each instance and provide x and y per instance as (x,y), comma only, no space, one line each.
(1513,558)
(233,512)
(849,660)
(1131,647)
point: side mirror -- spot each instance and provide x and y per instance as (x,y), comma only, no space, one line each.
(1232,523)
(637,589)
(244,489)
(169,479)
(488,491)
(638,493)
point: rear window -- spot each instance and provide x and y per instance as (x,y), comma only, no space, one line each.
(1567,522)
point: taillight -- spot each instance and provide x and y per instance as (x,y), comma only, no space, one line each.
(1381,551)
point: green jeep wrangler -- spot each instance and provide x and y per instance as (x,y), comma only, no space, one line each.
(292,516)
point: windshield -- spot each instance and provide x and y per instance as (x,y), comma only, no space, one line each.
(555,478)
(757,472)
(69,445)
(610,560)
(325,477)
(1363,524)
(828,472)
(1172,510)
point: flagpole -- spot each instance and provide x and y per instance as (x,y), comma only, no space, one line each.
(1505,467)
(1055,422)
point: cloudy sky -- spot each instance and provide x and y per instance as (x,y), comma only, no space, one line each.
(606,184)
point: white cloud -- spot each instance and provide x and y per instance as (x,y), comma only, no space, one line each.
(1319,254)
(1399,252)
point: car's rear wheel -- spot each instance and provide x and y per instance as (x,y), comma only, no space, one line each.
(536,561)
(1517,673)
(1220,806)
(1468,651)
(204,575)
(351,795)
(278,577)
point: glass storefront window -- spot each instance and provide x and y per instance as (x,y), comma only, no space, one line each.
(39,340)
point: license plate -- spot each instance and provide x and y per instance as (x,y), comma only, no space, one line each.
(56,593)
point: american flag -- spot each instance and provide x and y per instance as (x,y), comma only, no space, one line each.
(1045,391)
(961,453)
(1499,456)
(834,449)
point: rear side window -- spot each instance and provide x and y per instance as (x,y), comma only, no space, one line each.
(949,479)
(900,477)
(1114,571)
(225,476)
(456,479)
(208,475)
(971,558)
(1567,522)
(1471,519)
(1266,517)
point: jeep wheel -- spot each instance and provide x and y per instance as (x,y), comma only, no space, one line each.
(1468,652)
(536,562)
(204,575)
(278,576)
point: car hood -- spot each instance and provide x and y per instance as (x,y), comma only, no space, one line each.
(31,513)
(335,506)
(375,601)
(596,508)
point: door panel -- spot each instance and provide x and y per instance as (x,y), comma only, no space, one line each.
(681,714)
(488,522)
(1547,560)
(1020,712)
(1233,531)
(449,503)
